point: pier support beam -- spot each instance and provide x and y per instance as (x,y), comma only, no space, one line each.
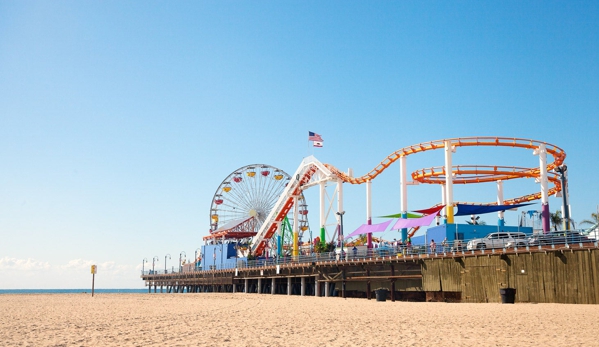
(392,283)
(272,286)
(368,291)
(326,289)
(259,286)
(303,289)
(288,285)
(317,287)
(245,286)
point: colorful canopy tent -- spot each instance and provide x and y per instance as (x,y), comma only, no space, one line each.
(423,212)
(431,210)
(414,222)
(399,215)
(419,222)
(366,229)
(465,210)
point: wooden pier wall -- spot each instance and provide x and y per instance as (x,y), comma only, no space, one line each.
(540,276)
(549,276)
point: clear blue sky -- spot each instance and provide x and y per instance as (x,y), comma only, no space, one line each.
(118,121)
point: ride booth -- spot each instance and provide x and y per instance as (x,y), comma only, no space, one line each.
(220,256)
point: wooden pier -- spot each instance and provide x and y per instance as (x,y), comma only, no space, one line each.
(549,275)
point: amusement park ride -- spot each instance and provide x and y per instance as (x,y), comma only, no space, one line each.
(258,202)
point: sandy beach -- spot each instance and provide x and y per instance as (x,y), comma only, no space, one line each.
(266,320)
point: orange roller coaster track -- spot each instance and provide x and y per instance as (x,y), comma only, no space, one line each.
(471,173)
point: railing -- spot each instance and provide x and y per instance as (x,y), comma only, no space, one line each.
(551,240)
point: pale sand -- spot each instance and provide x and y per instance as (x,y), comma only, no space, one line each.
(279,320)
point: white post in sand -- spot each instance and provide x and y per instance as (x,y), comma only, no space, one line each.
(326,289)
(303,290)
(288,285)
(245,286)
(259,286)
(272,286)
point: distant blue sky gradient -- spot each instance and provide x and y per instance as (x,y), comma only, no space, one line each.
(118,121)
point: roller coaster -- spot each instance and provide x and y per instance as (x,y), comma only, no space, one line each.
(310,172)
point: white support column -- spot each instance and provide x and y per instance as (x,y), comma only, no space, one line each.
(322,214)
(340,195)
(403,193)
(444,202)
(303,289)
(279,240)
(234,288)
(272,286)
(501,221)
(245,286)
(449,181)
(288,285)
(259,286)
(340,210)
(542,153)
(369,202)
(326,289)
(369,212)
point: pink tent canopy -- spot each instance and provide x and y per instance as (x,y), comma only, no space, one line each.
(414,222)
(365,228)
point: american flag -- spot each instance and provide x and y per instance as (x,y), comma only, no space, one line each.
(314,137)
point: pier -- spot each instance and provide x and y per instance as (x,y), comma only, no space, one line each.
(548,274)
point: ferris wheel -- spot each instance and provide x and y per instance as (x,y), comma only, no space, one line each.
(252,191)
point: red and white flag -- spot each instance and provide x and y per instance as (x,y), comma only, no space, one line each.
(314,137)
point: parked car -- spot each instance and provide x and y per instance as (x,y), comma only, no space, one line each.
(557,238)
(498,240)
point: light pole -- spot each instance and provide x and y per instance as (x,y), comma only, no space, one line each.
(169,256)
(154,261)
(562,171)
(143,264)
(196,259)
(340,214)
(180,257)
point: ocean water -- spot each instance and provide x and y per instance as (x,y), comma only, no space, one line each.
(72,291)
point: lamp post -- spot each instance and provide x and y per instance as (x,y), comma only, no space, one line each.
(169,256)
(180,257)
(562,171)
(143,264)
(154,261)
(340,214)
(196,259)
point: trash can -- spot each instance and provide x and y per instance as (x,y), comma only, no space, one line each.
(508,295)
(381,294)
